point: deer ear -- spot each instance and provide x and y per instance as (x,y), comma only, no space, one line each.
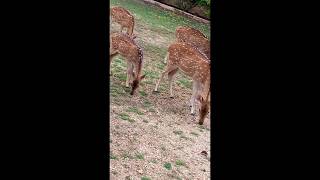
(143,76)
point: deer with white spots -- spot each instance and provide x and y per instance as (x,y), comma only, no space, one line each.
(184,57)
(124,45)
(124,18)
(194,38)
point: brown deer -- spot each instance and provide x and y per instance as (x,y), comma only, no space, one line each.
(125,46)
(194,38)
(195,65)
(124,18)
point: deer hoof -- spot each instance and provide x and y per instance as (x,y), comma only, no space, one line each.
(171,97)
(193,114)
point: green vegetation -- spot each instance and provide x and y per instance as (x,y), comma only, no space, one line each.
(180,163)
(167,166)
(139,156)
(126,117)
(145,178)
(157,18)
(177,132)
(134,110)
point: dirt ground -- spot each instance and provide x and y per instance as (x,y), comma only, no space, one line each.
(154,136)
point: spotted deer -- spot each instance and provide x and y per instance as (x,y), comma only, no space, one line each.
(124,18)
(125,46)
(184,57)
(194,38)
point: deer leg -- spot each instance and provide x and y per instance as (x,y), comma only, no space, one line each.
(129,74)
(168,69)
(128,31)
(171,76)
(195,88)
(165,59)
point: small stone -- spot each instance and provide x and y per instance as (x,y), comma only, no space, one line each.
(204,153)
(140,171)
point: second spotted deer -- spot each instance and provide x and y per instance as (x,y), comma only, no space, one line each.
(184,57)
(194,38)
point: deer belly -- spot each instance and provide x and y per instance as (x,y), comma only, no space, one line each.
(189,71)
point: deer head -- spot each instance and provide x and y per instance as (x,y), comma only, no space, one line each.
(204,106)
(135,84)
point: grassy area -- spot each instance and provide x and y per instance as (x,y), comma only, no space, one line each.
(157,18)
(155,21)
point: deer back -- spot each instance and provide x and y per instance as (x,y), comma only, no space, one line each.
(126,46)
(189,60)
(195,38)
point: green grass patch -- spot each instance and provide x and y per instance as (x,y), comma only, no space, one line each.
(177,132)
(194,133)
(184,82)
(126,155)
(203,127)
(134,110)
(157,52)
(116,90)
(160,66)
(121,77)
(143,93)
(147,103)
(113,157)
(152,74)
(126,117)
(157,18)
(118,65)
(145,178)
(149,82)
(154,161)
(184,137)
(167,166)
(180,163)
(140,156)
